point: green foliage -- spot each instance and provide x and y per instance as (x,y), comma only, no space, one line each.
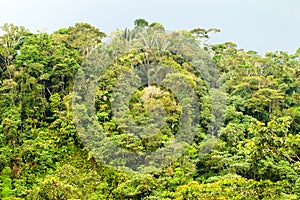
(140,23)
(6,183)
(232,187)
(248,149)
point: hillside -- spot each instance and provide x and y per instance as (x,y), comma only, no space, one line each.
(145,113)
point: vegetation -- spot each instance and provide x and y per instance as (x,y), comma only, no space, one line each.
(246,141)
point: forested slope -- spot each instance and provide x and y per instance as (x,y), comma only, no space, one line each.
(245,122)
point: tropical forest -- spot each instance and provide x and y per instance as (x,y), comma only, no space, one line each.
(145,113)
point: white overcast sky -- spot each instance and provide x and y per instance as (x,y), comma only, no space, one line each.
(261,25)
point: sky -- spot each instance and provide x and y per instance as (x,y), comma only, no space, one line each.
(260,25)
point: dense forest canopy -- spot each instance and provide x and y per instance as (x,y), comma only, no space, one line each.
(144,113)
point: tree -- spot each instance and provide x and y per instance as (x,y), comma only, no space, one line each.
(10,42)
(84,37)
(142,23)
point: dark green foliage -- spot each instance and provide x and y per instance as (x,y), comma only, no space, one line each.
(247,142)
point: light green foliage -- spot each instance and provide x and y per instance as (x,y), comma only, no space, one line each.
(247,148)
(6,183)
